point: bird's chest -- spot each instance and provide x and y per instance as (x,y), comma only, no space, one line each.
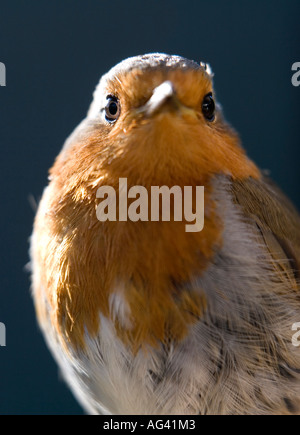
(170,356)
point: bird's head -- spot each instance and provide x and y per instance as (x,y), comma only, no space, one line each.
(155,120)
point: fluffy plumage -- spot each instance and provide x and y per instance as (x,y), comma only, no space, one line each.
(142,317)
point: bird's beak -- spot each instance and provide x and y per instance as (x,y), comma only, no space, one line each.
(164,96)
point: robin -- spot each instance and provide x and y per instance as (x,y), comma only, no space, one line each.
(143,316)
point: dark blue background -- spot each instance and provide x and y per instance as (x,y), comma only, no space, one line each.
(55,52)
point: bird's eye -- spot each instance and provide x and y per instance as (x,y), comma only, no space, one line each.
(112,109)
(208,107)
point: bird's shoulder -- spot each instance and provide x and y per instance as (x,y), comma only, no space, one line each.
(277,219)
